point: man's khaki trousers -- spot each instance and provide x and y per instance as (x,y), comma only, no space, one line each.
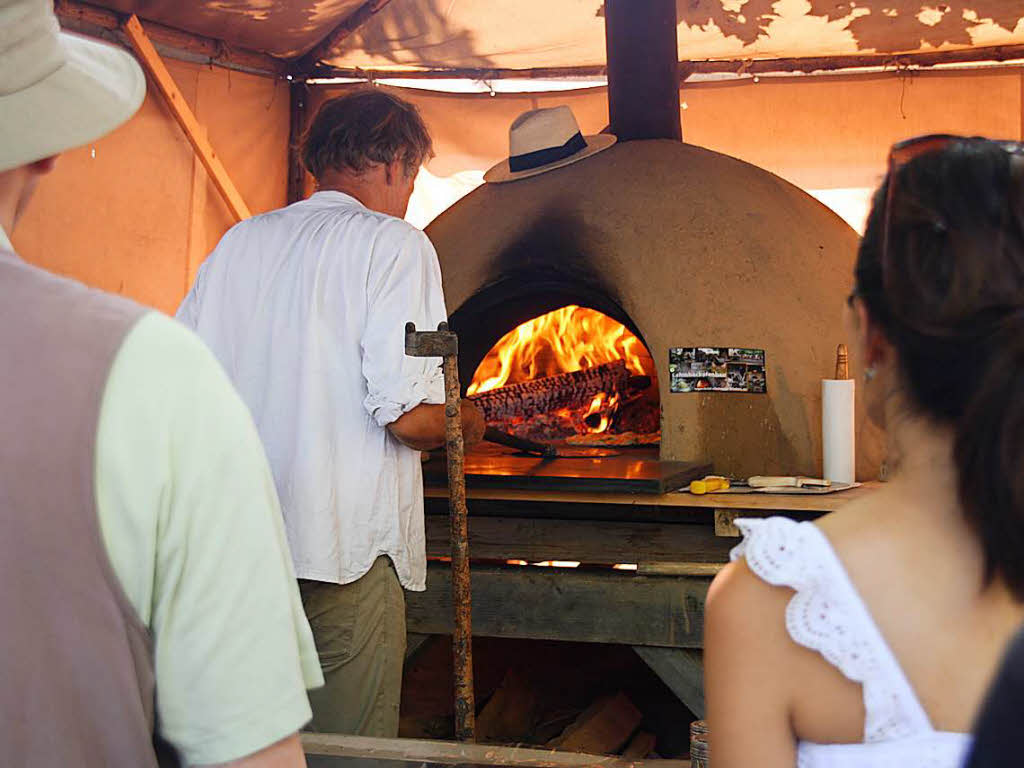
(359,629)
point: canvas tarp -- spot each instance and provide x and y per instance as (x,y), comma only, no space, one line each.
(135,213)
(828,135)
(523,34)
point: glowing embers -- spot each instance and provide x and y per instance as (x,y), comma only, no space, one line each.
(573,374)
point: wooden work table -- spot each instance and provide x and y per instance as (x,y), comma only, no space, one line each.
(637,509)
(814,503)
(671,544)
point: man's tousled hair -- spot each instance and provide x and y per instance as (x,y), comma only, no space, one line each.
(365,128)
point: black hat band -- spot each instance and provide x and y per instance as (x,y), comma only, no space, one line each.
(531,160)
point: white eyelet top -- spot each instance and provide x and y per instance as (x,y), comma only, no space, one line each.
(827,615)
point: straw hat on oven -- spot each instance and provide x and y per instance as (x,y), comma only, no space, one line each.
(57,90)
(544,139)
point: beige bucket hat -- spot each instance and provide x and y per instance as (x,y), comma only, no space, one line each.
(544,139)
(57,90)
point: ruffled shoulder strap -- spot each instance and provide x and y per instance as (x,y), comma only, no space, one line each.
(827,615)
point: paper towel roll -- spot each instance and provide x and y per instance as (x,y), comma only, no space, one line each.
(837,429)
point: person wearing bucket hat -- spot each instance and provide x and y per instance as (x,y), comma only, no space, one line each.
(150,612)
(542,140)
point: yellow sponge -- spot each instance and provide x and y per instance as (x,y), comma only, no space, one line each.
(709,484)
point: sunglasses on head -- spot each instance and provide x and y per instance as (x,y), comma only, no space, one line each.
(901,153)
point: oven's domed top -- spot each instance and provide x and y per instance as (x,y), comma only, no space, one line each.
(698,249)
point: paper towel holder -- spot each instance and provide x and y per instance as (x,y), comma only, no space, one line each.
(842,362)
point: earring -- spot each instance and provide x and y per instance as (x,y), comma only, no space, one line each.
(869,373)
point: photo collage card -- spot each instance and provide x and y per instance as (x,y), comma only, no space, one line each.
(716,369)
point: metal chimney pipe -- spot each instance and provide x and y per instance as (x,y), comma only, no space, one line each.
(643,69)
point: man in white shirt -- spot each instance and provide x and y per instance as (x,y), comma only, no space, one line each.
(306,307)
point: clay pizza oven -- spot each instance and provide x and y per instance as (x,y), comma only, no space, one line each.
(687,249)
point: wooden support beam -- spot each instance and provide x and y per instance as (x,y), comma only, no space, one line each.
(679,569)
(414,643)
(298,95)
(725,522)
(594,542)
(419,752)
(567,604)
(584,505)
(197,245)
(177,43)
(186,119)
(309,61)
(805,64)
(682,670)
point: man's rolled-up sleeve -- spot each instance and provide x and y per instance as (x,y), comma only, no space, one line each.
(404,285)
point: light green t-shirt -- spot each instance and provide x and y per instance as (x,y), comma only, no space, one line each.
(191,523)
(193,529)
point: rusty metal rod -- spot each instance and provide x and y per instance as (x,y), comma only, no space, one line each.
(443,343)
(462,637)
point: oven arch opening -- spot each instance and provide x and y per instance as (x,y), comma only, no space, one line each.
(503,305)
(516,333)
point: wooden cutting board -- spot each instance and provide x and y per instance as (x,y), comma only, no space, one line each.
(809,490)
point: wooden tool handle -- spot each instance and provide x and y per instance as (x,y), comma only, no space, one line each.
(787,482)
(772,482)
(842,362)
(495,435)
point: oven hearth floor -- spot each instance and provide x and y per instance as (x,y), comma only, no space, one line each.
(634,470)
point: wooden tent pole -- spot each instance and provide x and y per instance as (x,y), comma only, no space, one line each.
(297,108)
(186,119)
(804,64)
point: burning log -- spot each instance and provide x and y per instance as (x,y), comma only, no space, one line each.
(566,390)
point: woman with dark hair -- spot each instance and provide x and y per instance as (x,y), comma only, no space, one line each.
(869,637)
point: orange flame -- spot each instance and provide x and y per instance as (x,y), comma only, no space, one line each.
(565,340)
(604,406)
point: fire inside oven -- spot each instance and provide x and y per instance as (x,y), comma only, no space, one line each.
(572,376)
(551,357)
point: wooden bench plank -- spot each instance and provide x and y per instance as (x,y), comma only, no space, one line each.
(194,132)
(567,604)
(594,542)
(681,501)
(423,751)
